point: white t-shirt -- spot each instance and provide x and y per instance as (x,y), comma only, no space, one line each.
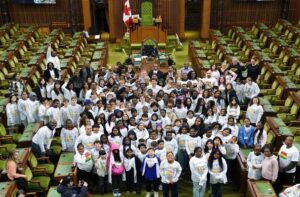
(288,155)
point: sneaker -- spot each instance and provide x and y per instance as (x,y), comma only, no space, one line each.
(119,194)
(115,192)
(160,188)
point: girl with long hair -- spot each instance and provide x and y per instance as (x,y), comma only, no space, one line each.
(217,169)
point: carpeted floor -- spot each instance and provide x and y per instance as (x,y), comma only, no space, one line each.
(186,190)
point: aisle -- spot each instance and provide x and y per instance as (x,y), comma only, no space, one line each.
(185,190)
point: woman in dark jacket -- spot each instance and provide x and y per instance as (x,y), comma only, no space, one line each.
(40,89)
(51,72)
(229,94)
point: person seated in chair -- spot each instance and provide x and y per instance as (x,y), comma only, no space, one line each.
(156,71)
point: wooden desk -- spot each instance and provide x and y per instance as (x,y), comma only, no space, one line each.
(260,189)
(273,69)
(242,168)
(53,192)
(280,131)
(287,84)
(64,166)
(7,188)
(267,106)
(30,130)
(148,32)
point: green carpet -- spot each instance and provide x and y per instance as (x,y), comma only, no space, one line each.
(186,190)
(182,56)
(113,56)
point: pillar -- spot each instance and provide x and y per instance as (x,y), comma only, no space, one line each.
(87,19)
(181,21)
(205,19)
(111,20)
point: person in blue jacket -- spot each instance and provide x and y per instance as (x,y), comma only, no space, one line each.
(150,172)
(246,132)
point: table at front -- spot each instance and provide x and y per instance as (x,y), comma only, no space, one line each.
(260,189)
(64,165)
(7,188)
(53,192)
(30,130)
(242,168)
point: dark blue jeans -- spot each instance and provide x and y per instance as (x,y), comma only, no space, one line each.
(167,187)
(217,190)
(38,153)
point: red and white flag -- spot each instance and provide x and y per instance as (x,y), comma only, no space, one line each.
(127,13)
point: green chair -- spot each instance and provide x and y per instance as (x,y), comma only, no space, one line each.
(56,149)
(56,145)
(3,83)
(45,168)
(271,90)
(286,105)
(38,184)
(15,135)
(276,98)
(291,115)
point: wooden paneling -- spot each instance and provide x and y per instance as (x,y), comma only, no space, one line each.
(169,10)
(294,13)
(246,13)
(44,15)
(146,32)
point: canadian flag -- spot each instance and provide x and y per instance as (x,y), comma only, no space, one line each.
(127,13)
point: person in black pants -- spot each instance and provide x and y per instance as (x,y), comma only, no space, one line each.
(132,169)
(288,157)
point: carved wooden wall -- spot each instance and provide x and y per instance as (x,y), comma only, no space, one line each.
(44,15)
(226,13)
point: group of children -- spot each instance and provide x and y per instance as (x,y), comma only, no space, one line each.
(152,129)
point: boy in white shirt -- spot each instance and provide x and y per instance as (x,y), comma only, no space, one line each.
(54,112)
(161,151)
(199,170)
(192,142)
(288,158)
(171,143)
(170,171)
(254,163)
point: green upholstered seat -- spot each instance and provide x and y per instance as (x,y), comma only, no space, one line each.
(45,167)
(37,183)
(56,149)
(53,192)
(287,106)
(291,115)
(2,165)
(6,148)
